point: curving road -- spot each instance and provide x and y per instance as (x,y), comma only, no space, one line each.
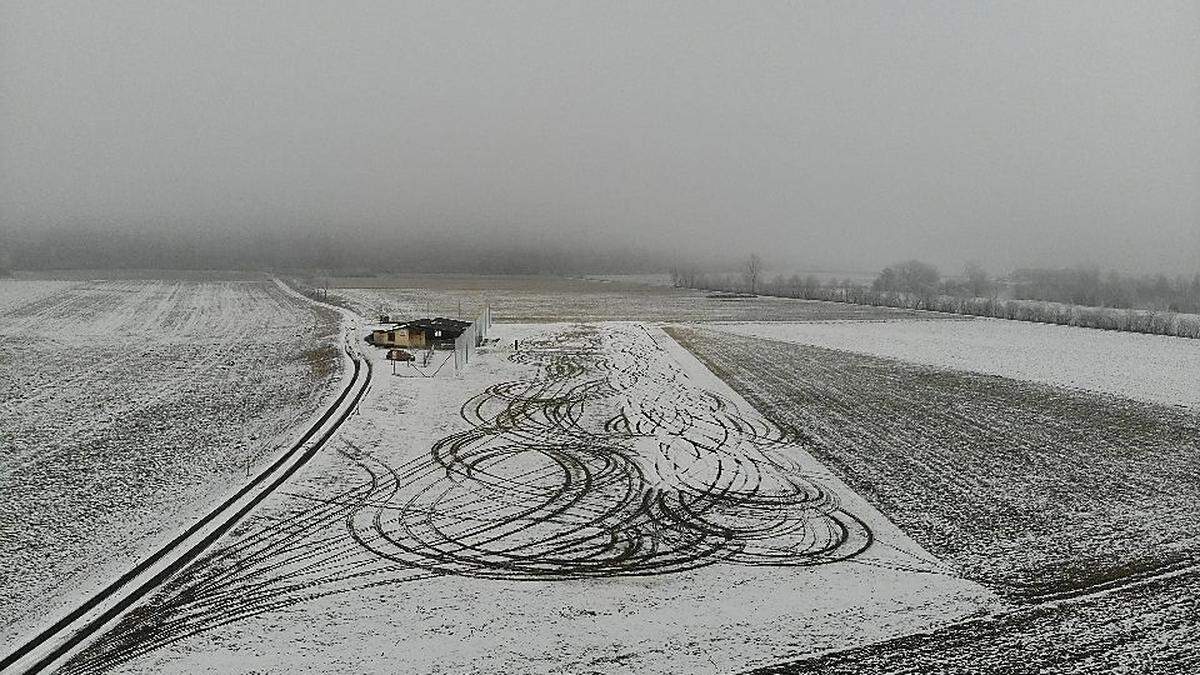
(78,627)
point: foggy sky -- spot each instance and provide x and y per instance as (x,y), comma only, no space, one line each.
(829,135)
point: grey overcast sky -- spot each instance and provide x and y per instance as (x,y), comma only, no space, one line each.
(840,135)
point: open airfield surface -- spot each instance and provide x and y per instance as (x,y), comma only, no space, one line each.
(128,406)
(869,490)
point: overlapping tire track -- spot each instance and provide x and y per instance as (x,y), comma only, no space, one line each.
(540,488)
(605,462)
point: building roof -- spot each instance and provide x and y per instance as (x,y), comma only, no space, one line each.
(440,323)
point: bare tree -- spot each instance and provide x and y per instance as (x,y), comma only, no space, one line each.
(751,271)
(978,281)
(918,277)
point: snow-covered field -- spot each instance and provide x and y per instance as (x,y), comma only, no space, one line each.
(1141,628)
(818,486)
(1145,367)
(17,292)
(551,299)
(129,403)
(1055,498)
(597,501)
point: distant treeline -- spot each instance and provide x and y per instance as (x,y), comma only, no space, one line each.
(1080,297)
(333,252)
(1089,287)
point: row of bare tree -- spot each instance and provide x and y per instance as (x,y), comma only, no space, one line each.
(919,286)
(1088,287)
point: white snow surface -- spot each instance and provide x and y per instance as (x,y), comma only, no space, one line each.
(719,618)
(131,406)
(16,293)
(1153,368)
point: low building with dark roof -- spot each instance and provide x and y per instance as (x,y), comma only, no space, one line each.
(419,334)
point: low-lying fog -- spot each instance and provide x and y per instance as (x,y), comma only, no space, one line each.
(822,136)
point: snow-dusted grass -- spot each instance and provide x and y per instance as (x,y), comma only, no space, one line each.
(126,405)
(1151,368)
(1035,490)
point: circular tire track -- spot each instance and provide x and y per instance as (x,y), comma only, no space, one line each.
(536,490)
(606,462)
